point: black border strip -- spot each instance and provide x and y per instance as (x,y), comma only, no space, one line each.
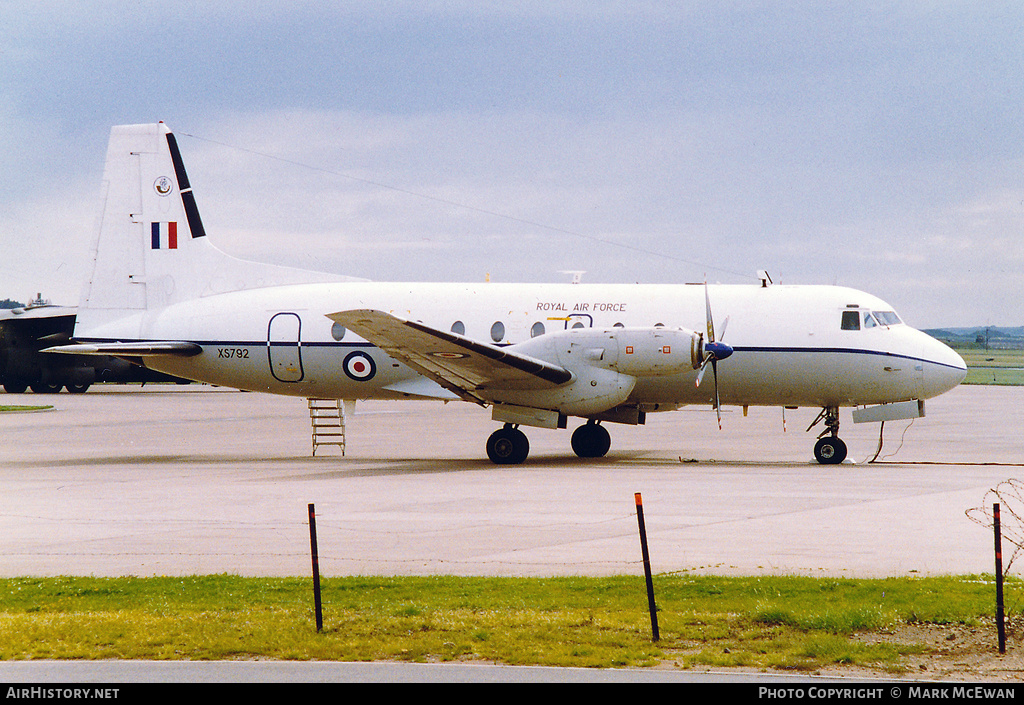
(188,200)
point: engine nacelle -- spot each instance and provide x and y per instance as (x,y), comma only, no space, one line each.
(605,363)
(654,352)
(638,352)
(591,391)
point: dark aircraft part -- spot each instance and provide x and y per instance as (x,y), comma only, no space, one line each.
(24,332)
(508,446)
(591,440)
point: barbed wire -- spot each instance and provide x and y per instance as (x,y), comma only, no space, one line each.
(1009,495)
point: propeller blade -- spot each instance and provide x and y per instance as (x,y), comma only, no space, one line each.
(703,367)
(710,320)
(718,405)
(713,350)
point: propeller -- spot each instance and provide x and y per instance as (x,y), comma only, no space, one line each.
(714,350)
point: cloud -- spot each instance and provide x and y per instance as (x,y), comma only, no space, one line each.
(854,144)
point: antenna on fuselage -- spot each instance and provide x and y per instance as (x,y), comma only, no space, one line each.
(577,274)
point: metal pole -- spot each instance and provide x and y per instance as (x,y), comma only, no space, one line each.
(316,569)
(1000,626)
(647,566)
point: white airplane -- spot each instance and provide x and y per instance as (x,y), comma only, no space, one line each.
(161,294)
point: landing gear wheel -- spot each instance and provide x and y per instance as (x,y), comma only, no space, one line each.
(78,388)
(508,446)
(15,386)
(591,440)
(43,388)
(830,450)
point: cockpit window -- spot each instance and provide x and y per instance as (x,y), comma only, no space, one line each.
(851,320)
(887,318)
(857,320)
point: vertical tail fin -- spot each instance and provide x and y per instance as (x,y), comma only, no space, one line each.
(151,247)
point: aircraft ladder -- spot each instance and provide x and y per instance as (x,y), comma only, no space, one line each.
(327,417)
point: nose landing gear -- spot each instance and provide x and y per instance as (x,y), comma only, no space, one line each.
(830,449)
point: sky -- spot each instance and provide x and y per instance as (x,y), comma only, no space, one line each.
(875,145)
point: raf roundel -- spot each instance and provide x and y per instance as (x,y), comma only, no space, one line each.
(359,366)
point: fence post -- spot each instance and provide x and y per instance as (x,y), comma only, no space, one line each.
(316,569)
(647,566)
(1000,626)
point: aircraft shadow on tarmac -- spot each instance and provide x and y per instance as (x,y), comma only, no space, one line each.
(340,468)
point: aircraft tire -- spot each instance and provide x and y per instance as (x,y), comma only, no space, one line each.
(508,446)
(42,388)
(15,386)
(830,450)
(591,440)
(78,388)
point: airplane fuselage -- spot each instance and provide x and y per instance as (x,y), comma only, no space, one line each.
(790,345)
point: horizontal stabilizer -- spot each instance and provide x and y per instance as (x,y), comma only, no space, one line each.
(136,349)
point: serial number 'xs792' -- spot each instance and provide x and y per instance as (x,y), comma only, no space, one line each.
(228,353)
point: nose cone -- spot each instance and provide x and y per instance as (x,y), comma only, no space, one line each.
(943,368)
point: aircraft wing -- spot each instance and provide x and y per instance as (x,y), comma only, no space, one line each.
(464,366)
(134,349)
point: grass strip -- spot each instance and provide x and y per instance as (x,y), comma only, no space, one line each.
(993,367)
(792,623)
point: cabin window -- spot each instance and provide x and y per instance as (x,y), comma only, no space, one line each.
(851,320)
(338,331)
(537,329)
(498,331)
(459,328)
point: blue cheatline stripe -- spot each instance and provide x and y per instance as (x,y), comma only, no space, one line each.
(844,350)
(363,344)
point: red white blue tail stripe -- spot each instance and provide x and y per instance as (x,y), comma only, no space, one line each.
(165,236)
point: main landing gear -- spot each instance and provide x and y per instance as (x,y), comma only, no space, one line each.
(830,449)
(509,446)
(591,440)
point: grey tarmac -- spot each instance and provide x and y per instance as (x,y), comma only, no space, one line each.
(180,480)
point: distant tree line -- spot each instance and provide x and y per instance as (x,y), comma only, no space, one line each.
(11,303)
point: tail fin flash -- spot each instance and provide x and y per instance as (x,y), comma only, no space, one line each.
(151,246)
(188,200)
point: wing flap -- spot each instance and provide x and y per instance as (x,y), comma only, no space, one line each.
(464,366)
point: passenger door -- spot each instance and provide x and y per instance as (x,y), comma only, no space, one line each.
(284,347)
